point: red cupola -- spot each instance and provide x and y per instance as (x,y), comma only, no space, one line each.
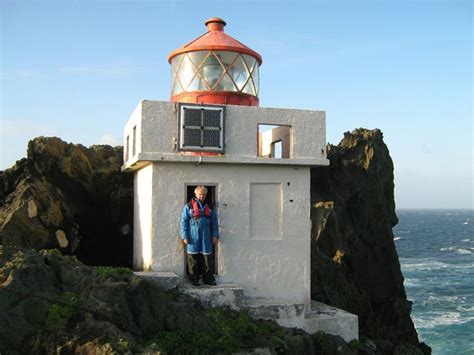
(216,69)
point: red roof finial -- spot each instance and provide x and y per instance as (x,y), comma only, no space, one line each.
(215,24)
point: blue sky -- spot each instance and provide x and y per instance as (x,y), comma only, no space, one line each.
(77,69)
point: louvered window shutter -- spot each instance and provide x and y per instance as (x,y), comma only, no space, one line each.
(201,128)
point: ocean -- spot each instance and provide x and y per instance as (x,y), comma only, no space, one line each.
(436,251)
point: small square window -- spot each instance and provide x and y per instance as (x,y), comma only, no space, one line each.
(274,141)
(201,128)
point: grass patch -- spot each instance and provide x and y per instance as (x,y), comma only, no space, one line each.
(61,310)
(232,331)
(107,271)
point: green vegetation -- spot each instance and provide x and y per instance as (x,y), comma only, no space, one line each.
(318,337)
(61,310)
(123,345)
(232,331)
(107,271)
(54,252)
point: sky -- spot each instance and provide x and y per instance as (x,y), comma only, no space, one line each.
(77,70)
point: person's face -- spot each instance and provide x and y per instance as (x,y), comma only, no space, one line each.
(200,195)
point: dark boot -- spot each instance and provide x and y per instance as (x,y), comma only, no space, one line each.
(193,268)
(208,272)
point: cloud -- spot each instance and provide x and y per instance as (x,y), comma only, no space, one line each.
(95,70)
(25,128)
(109,139)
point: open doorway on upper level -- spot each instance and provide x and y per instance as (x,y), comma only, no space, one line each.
(274,141)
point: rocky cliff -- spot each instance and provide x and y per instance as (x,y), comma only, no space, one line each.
(354,262)
(69,197)
(75,199)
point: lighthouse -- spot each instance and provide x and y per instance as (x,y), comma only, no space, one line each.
(215,68)
(255,163)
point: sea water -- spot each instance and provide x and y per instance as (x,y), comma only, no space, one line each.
(436,251)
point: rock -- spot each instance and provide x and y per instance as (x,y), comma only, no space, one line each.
(69,197)
(51,303)
(354,262)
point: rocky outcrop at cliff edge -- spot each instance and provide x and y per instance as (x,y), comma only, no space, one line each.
(54,304)
(69,197)
(354,262)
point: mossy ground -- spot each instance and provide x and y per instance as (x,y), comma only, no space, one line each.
(232,331)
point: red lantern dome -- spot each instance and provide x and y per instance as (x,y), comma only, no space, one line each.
(215,68)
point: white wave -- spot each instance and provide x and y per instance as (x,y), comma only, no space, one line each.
(447,249)
(466,223)
(409,265)
(466,240)
(463,251)
(447,318)
(410,283)
(433,300)
(425,265)
(397,238)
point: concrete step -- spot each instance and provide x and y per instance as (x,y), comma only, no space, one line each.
(318,317)
(331,320)
(285,313)
(220,295)
(165,280)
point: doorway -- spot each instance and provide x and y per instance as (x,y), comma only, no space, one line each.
(211,201)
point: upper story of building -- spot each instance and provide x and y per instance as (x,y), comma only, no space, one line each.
(162,131)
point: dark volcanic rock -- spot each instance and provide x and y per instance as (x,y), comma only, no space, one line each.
(54,304)
(354,262)
(69,197)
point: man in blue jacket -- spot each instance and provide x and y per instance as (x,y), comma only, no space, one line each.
(199,231)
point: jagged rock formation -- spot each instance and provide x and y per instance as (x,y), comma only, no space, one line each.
(69,197)
(54,304)
(75,199)
(354,262)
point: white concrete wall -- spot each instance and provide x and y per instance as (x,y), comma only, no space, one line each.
(143,218)
(267,265)
(157,125)
(135,121)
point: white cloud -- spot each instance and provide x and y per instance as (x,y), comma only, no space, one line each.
(109,139)
(25,128)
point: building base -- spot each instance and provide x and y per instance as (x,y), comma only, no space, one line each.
(311,318)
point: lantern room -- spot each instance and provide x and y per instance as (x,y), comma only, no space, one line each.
(215,68)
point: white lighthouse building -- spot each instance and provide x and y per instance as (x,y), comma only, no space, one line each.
(256,165)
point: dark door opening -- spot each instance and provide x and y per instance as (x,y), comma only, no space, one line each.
(211,201)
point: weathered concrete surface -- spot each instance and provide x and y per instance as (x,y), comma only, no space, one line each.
(354,260)
(319,317)
(69,197)
(156,133)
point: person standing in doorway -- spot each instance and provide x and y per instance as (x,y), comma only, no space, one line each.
(199,231)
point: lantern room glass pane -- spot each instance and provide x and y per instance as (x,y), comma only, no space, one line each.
(239,73)
(256,78)
(197,57)
(226,84)
(252,86)
(176,62)
(250,61)
(186,72)
(226,58)
(249,88)
(197,84)
(211,70)
(176,88)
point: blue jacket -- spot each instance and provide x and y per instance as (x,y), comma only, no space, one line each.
(198,232)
